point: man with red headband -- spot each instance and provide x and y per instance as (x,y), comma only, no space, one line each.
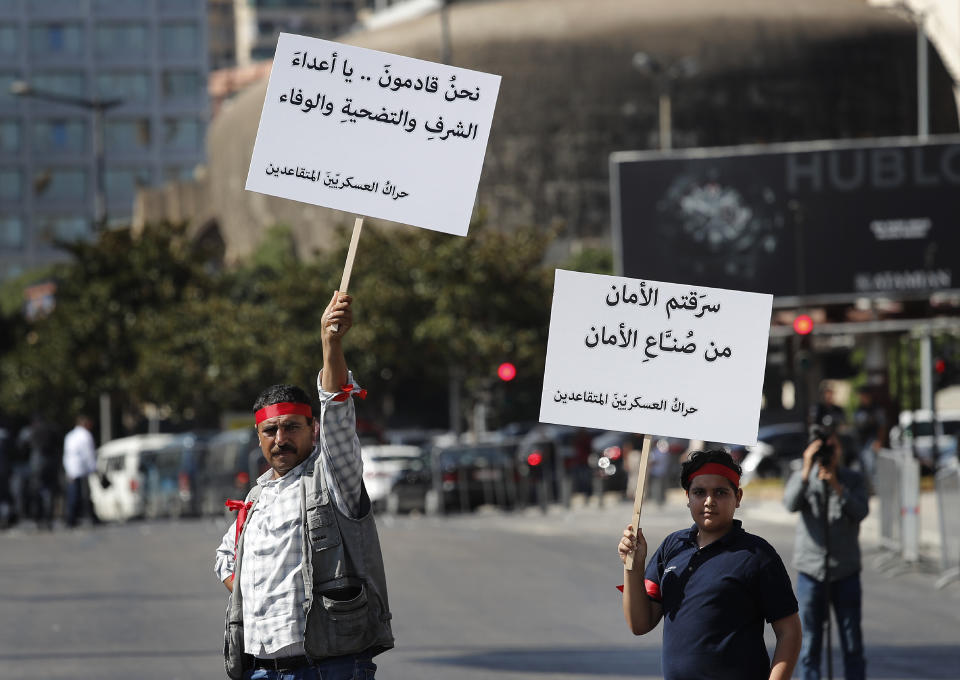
(714,585)
(308,595)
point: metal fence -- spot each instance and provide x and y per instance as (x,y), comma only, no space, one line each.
(898,489)
(948,504)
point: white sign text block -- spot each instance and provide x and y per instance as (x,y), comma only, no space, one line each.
(373,133)
(655,358)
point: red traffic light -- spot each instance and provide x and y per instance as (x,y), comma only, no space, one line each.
(803,324)
(507,371)
(940,366)
(534,459)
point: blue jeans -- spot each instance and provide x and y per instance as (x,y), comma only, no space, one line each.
(845,597)
(337,668)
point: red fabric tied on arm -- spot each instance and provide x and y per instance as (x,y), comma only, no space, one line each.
(243,509)
(347,390)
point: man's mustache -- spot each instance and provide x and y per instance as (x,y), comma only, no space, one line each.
(283,448)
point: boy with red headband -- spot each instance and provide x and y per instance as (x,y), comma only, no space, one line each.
(308,595)
(714,585)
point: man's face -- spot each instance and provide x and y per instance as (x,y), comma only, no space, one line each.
(713,501)
(286,441)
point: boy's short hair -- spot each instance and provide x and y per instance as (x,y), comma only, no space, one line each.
(698,459)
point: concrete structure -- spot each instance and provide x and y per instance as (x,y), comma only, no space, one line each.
(152,54)
(317,18)
(765,71)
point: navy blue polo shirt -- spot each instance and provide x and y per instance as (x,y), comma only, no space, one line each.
(715,602)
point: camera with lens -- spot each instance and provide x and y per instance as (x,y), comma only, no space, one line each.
(823,431)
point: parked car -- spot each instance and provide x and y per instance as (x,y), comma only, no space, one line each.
(780,446)
(915,431)
(468,476)
(608,460)
(549,453)
(139,471)
(233,463)
(397,477)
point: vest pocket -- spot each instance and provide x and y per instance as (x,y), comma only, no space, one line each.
(322,527)
(348,618)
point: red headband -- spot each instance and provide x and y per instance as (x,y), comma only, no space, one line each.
(283,409)
(717,469)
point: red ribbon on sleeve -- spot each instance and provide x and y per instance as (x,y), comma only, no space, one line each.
(243,509)
(347,390)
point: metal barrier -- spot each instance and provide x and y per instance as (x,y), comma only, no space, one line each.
(898,489)
(948,503)
(888,491)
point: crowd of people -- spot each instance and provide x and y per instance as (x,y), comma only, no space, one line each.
(44,473)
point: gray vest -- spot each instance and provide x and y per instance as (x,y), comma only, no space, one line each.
(346,609)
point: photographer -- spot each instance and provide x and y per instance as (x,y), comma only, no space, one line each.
(832,501)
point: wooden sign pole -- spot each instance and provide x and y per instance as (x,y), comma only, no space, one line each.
(638,497)
(348,265)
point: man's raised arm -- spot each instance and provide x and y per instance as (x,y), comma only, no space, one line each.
(337,315)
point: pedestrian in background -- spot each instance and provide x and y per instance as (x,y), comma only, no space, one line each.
(79,462)
(6,473)
(713,584)
(870,422)
(832,501)
(308,597)
(45,444)
(659,468)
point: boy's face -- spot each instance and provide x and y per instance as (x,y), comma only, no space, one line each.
(713,501)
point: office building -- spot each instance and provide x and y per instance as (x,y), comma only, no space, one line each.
(149,55)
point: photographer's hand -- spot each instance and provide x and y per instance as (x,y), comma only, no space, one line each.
(808,455)
(828,474)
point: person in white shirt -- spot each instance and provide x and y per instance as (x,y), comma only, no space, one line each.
(79,461)
(309,598)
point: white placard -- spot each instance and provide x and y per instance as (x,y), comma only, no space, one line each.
(655,358)
(373,133)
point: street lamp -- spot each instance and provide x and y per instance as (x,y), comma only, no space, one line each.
(664,76)
(97,107)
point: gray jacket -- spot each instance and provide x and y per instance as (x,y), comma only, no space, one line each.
(845,512)
(347,611)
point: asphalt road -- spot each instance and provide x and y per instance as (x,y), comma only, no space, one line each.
(512,597)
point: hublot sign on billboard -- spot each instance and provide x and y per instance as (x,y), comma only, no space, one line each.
(828,220)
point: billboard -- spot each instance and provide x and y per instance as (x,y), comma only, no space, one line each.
(830,220)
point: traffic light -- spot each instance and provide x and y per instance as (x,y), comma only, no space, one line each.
(803,324)
(942,373)
(506,371)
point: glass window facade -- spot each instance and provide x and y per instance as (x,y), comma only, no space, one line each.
(179,39)
(175,173)
(11,185)
(9,136)
(132,6)
(61,184)
(122,39)
(71,83)
(127,135)
(182,134)
(56,39)
(63,227)
(6,79)
(11,232)
(124,182)
(9,40)
(181,85)
(178,5)
(130,87)
(64,135)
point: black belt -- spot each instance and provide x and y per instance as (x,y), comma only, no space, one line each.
(283,663)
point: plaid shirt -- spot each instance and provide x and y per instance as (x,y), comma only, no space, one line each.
(271,580)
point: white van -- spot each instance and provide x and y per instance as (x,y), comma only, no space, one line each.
(134,489)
